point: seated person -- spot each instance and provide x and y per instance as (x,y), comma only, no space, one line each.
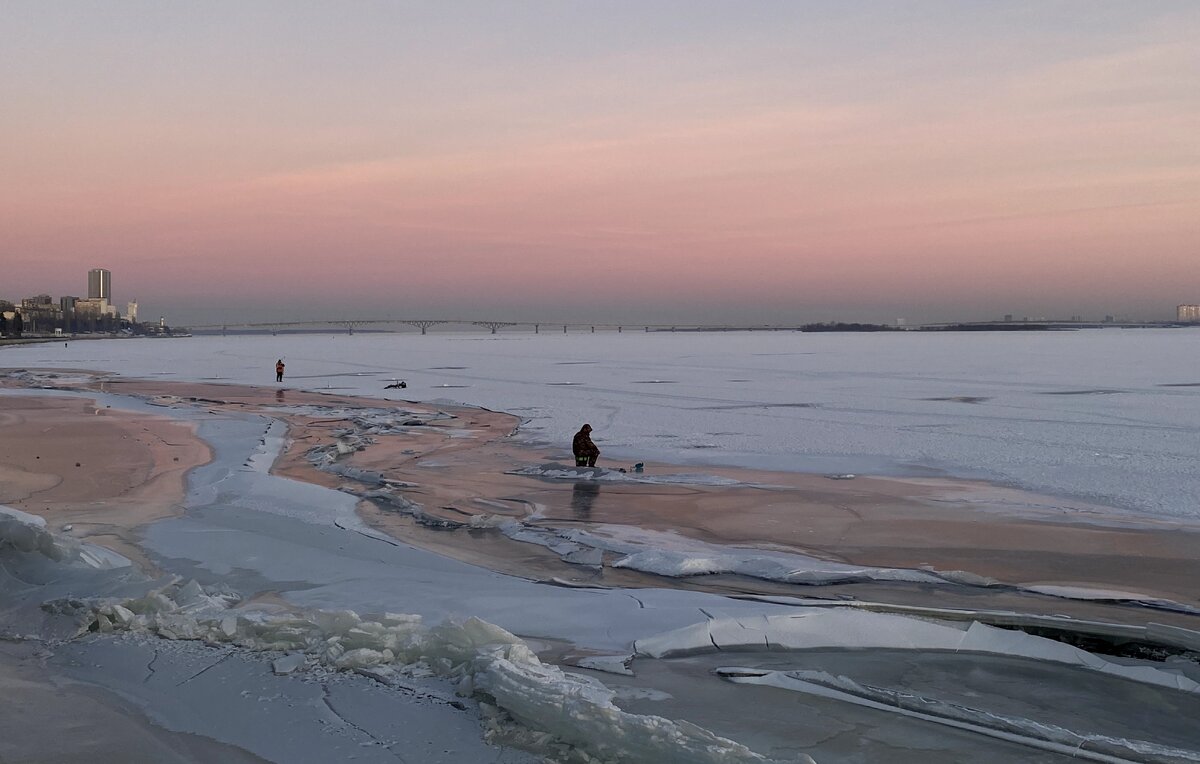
(585,450)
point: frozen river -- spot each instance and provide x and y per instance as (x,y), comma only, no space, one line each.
(1112,416)
(1109,415)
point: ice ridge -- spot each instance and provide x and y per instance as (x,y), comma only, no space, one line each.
(486,661)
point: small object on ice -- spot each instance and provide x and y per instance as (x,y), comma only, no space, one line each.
(638,467)
(847,476)
(68,527)
(397,384)
(288,664)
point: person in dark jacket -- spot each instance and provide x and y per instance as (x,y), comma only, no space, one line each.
(585,450)
(279,370)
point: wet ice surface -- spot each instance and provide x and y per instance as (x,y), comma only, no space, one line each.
(257,531)
(326,716)
(1036,700)
(1109,415)
(1047,411)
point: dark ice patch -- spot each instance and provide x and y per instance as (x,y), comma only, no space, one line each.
(655,382)
(339,374)
(735,406)
(442,368)
(961,399)
(1180,384)
(1082,392)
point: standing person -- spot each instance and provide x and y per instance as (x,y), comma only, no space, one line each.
(279,370)
(585,450)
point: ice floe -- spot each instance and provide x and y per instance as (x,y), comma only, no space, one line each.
(1108,595)
(856,629)
(1087,746)
(28,533)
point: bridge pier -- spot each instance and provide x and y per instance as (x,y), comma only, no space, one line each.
(494,325)
(423,325)
(535,328)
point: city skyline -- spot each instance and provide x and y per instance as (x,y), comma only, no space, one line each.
(99,294)
(699,162)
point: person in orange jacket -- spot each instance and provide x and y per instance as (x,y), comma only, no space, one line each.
(279,370)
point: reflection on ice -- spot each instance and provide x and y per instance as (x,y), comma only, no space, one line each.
(584,495)
(554,471)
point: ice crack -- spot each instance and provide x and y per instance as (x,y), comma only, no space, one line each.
(337,524)
(150,666)
(224,658)
(329,704)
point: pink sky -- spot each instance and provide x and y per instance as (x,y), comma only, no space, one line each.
(800,163)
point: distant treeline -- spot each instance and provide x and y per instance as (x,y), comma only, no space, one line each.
(1002,327)
(998,327)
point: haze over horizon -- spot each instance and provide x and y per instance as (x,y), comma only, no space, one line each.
(667,161)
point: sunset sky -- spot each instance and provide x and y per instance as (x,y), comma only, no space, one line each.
(640,160)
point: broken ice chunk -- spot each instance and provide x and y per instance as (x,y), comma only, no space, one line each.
(288,663)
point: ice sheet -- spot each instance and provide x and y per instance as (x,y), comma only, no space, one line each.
(1098,414)
(853,629)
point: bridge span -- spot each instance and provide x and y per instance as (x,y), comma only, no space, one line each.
(494,327)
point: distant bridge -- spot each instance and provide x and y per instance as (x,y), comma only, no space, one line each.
(493,326)
(274,327)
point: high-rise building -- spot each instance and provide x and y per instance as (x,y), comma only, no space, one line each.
(99,284)
(67,306)
(1189,313)
(131,311)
